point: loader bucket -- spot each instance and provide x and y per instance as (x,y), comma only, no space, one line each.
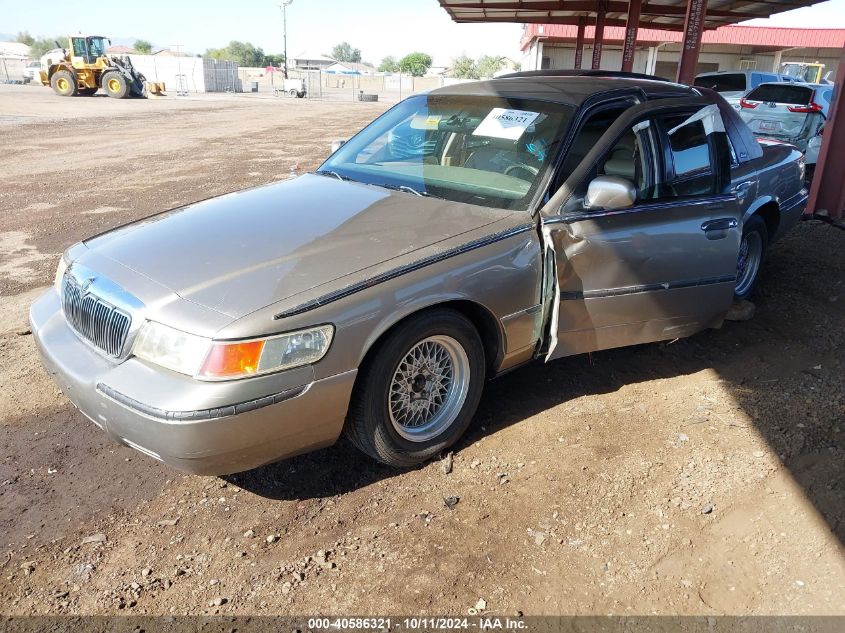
(155,88)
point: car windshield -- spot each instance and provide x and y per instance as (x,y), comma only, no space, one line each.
(729,82)
(486,150)
(781,93)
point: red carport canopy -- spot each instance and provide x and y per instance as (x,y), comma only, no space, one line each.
(693,18)
(669,15)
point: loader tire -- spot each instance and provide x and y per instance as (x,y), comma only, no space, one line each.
(115,85)
(87,92)
(63,83)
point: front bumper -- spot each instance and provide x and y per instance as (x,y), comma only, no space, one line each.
(199,427)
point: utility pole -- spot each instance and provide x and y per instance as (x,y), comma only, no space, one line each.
(284,6)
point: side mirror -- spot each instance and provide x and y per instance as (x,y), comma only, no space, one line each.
(610,192)
(337,144)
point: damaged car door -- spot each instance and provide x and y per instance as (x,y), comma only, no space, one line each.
(643,237)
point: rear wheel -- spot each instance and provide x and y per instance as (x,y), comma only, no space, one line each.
(63,83)
(293,94)
(115,85)
(752,252)
(417,394)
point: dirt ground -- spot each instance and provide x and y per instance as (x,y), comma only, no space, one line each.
(705,476)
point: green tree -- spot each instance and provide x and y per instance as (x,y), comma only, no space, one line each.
(416,64)
(43,44)
(274,60)
(243,53)
(344,52)
(143,47)
(464,67)
(489,65)
(389,65)
(25,38)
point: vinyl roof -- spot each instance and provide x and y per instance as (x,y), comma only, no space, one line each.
(659,14)
(570,90)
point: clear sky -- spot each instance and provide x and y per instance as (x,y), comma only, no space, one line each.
(377,27)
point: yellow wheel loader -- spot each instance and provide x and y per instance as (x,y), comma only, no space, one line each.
(83,68)
(809,73)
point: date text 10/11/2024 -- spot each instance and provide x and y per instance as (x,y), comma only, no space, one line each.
(421,623)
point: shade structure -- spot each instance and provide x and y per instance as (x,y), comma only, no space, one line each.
(659,14)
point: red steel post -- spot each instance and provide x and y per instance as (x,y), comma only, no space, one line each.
(827,194)
(579,42)
(598,42)
(691,49)
(634,8)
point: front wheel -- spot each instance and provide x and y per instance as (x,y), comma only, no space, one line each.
(115,84)
(293,94)
(418,392)
(63,83)
(752,252)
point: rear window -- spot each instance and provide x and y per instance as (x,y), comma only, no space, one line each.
(782,93)
(729,82)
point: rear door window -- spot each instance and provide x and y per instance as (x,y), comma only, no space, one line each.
(727,82)
(694,174)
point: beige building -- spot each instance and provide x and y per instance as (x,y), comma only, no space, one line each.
(552,46)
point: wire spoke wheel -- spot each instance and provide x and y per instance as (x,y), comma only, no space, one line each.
(428,388)
(748,263)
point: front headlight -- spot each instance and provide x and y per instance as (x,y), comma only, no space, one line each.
(60,273)
(171,348)
(207,359)
(238,359)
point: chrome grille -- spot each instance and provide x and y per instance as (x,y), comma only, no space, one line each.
(95,320)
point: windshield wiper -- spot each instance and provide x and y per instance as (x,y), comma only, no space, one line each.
(328,172)
(407,189)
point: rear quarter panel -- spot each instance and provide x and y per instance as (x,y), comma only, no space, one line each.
(780,181)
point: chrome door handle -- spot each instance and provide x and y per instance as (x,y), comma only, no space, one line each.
(722,224)
(741,190)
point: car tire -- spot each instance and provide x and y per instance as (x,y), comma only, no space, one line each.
(752,254)
(63,83)
(293,94)
(115,85)
(385,421)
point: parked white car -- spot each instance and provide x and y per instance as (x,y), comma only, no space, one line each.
(733,84)
(30,72)
(811,157)
(793,113)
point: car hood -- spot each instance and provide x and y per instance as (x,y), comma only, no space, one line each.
(243,251)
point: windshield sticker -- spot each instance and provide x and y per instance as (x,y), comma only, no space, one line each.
(507,124)
(426,122)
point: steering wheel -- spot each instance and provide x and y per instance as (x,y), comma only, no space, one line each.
(531,170)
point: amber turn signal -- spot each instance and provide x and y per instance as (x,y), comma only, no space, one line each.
(230,360)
